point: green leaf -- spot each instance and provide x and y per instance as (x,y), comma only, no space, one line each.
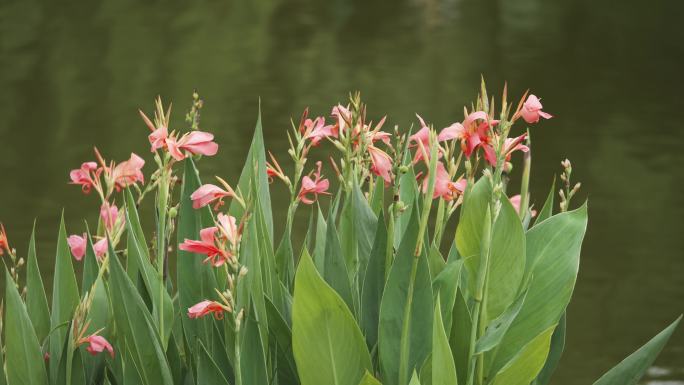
(414,379)
(553,249)
(406,312)
(469,230)
(555,353)
(135,327)
(498,327)
(443,367)
(445,285)
(408,191)
(24,360)
(91,268)
(253,361)
(365,223)
(368,379)
(459,338)
(36,300)
(207,370)
(632,368)
(254,172)
(374,284)
(328,345)
(547,210)
(319,248)
(65,297)
(335,271)
(281,334)
(196,281)
(527,363)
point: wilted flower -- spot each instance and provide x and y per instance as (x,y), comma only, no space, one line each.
(381,164)
(314,186)
(532,110)
(208,307)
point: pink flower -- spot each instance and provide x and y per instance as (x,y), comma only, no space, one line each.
(511,145)
(207,245)
(313,186)
(316,130)
(101,247)
(444,187)
(109,214)
(158,138)
(228,226)
(207,307)
(532,110)
(381,164)
(515,201)
(98,344)
(208,193)
(77,244)
(343,117)
(128,172)
(194,142)
(82,176)
(473,132)
(4,243)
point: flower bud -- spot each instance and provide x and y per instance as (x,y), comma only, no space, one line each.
(403,169)
(508,167)
(173,212)
(243,271)
(21,262)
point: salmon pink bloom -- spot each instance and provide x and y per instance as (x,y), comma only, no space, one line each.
(473,132)
(316,130)
(207,307)
(343,117)
(515,201)
(314,186)
(4,243)
(101,248)
(381,164)
(109,213)
(195,142)
(98,344)
(83,176)
(511,145)
(532,110)
(228,226)
(128,172)
(77,244)
(207,245)
(444,187)
(208,193)
(158,138)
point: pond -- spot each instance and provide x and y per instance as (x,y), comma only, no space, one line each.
(73,76)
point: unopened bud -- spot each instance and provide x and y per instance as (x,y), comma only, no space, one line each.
(338,145)
(562,194)
(173,212)
(243,271)
(577,187)
(21,262)
(403,169)
(238,319)
(508,167)
(566,163)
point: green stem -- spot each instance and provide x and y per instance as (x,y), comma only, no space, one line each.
(525,184)
(238,367)
(162,207)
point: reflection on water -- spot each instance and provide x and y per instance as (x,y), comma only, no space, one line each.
(74,74)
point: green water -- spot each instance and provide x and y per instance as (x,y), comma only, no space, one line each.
(72,75)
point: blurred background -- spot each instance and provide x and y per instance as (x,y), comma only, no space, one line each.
(73,75)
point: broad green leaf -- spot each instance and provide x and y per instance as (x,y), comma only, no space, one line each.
(65,297)
(284,257)
(36,300)
(365,224)
(527,363)
(335,271)
(435,260)
(497,328)
(281,334)
(555,353)
(319,248)
(406,311)
(207,370)
(632,368)
(327,343)
(373,284)
(459,338)
(414,379)
(254,172)
(91,268)
(377,200)
(196,281)
(368,379)
(547,210)
(3,375)
(553,249)
(253,358)
(506,261)
(408,191)
(24,360)
(443,367)
(135,327)
(445,285)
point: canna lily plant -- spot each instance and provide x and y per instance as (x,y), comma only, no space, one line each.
(418,264)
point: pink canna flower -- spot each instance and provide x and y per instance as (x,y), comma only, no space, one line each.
(109,213)
(316,130)
(314,186)
(227,224)
(158,138)
(473,132)
(83,176)
(343,117)
(77,244)
(4,243)
(207,245)
(381,164)
(444,187)
(532,110)
(515,201)
(208,193)
(511,145)
(98,344)
(101,247)
(128,172)
(194,142)
(207,307)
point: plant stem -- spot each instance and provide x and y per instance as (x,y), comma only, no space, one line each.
(162,207)
(525,184)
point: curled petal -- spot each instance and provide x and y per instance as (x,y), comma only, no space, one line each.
(77,244)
